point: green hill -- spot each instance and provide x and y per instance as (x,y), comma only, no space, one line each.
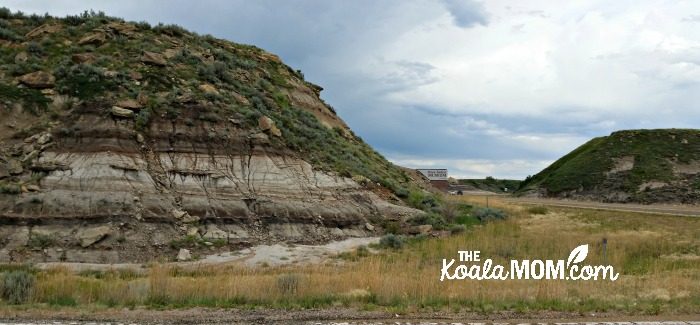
(647,166)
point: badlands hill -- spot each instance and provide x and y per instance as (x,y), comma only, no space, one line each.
(122,141)
(644,166)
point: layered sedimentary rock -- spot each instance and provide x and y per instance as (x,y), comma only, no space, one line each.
(142,192)
(123,142)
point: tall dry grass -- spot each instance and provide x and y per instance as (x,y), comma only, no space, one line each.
(657,257)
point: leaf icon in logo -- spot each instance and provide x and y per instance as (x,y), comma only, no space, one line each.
(577,255)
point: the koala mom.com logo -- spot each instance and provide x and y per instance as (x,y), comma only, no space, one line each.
(572,269)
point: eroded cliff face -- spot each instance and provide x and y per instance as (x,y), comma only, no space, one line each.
(138,193)
(120,142)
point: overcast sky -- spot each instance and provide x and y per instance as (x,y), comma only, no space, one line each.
(499,88)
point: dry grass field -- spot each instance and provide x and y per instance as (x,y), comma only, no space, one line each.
(658,258)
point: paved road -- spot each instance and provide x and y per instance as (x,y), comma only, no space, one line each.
(676,210)
(398,323)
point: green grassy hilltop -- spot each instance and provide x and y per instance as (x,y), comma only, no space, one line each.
(634,165)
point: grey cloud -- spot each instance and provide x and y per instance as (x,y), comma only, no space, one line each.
(467,13)
(692,18)
(341,45)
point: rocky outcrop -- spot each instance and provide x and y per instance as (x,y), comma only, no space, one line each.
(122,112)
(196,143)
(94,39)
(155,191)
(38,79)
(153,58)
(43,30)
(267,124)
(184,255)
(89,236)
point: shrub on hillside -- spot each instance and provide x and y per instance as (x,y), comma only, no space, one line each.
(489,214)
(456,229)
(422,200)
(436,220)
(391,241)
(17,286)
(9,35)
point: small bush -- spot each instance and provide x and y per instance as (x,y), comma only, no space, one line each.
(437,221)
(8,35)
(489,214)
(10,189)
(143,25)
(392,227)
(84,81)
(401,192)
(467,220)
(41,241)
(538,210)
(456,229)
(288,283)
(362,251)
(391,241)
(186,242)
(17,286)
(143,118)
(170,29)
(422,200)
(32,100)
(35,48)
(5,13)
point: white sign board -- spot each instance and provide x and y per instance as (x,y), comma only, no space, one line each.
(434,174)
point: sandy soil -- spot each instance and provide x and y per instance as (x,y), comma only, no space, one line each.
(270,255)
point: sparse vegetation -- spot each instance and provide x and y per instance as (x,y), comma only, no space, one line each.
(196,241)
(392,241)
(98,77)
(17,286)
(659,274)
(83,81)
(32,100)
(489,214)
(41,241)
(538,210)
(9,188)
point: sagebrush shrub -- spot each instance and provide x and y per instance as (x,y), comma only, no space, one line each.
(391,241)
(17,286)
(489,214)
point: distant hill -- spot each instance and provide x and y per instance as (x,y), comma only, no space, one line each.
(490,184)
(646,166)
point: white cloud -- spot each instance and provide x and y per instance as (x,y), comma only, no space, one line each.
(600,61)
